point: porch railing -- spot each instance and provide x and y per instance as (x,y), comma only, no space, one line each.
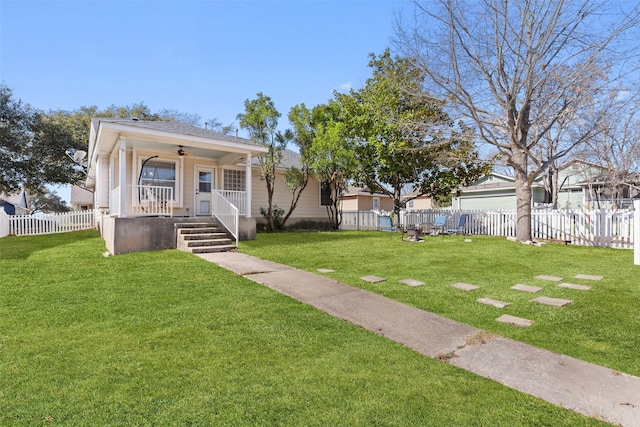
(226,213)
(145,200)
(152,200)
(236,198)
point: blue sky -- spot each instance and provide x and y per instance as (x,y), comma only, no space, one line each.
(202,57)
(199,57)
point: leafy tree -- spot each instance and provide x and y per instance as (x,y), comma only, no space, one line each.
(331,158)
(403,139)
(16,121)
(491,59)
(53,135)
(260,119)
(137,110)
(47,201)
(171,115)
(297,178)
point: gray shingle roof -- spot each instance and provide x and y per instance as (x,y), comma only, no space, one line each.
(289,159)
(177,128)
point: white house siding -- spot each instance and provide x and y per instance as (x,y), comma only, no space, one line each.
(308,206)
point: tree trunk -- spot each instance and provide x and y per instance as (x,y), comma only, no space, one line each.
(523,209)
(270,224)
(555,188)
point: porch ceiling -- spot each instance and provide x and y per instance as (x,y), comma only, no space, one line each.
(172,149)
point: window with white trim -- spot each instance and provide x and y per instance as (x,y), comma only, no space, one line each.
(376,203)
(234,180)
(159,173)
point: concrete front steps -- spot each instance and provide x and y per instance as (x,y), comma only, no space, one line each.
(203,238)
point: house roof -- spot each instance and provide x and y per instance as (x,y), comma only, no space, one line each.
(413,195)
(290,159)
(177,128)
(353,190)
(18,198)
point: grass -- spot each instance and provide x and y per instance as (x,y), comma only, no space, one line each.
(165,338)
(601,326)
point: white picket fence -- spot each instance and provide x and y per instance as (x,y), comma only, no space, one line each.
(29,225)
(610,228)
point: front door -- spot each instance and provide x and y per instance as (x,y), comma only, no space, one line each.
(204,184)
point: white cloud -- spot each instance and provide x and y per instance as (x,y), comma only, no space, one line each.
(343,87)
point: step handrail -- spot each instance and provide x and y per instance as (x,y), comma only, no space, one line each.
(227,213)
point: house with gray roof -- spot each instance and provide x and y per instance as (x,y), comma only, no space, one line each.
(148,176)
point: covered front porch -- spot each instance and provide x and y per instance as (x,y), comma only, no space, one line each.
(171,170)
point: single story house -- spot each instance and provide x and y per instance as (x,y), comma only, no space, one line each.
(148,176)
(417,203)
(15,203)
(363,199)
(579,188)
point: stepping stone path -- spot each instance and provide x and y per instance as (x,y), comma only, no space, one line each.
(373,279)
(325,270)
(573,286)
(526,288)
(549,278)
(556,302)
(588,277)
(412,282)
(516,321)
(465,286)
(493,302)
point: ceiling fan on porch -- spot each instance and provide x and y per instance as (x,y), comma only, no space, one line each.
(181,151)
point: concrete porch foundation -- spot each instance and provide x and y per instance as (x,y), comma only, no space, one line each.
(122,235)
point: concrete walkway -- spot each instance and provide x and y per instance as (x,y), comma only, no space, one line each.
(583,387)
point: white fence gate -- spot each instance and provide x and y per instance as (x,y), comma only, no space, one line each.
(29,225)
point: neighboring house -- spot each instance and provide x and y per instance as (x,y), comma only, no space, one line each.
(417,204)
(15,203)
(363,199)
(81,199)
(580,187)
(152,175)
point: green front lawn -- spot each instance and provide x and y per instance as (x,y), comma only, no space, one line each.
(601,326)
(165,338)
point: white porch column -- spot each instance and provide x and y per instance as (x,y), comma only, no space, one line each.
(636,232)
(122,175)
(247,178)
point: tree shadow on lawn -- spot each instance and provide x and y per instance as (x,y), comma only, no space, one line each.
(22,247)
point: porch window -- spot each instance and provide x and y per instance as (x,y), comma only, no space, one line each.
(234,180)
(159,173)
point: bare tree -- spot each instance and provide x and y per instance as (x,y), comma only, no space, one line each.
(616,148)
(559,132)
(491,59)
